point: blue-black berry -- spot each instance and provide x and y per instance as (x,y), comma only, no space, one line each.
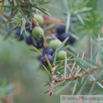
(29,29)
(71,40)
(60,29)
(63,36)
(58,36)
(29,40)
(44,61)
(27,24)
(19,36)
(37,43)
(48,51)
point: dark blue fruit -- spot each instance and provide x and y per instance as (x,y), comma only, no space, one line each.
(27,24)
(37,43)
(44,61)
(71,40)
(58,36)
(19,36)
(60,29)
(63,36)
(29,29)
(29,40)
(48,51)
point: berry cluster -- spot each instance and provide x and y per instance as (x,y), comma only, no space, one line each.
(53,44)
(35,39)
(36,33)
(30,40)
(61,35)
(47,52)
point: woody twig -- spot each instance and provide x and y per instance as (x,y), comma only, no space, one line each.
(78,76)
(12,9)
(55,79)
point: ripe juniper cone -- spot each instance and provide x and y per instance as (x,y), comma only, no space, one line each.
(44,61)
(54,43)
(29,29)
(58,36)
(37,32)
(63,36)
(60,29)
(29,40)
(27,24)
(71,40)
(61,55)
(39,19)
(19,36)
(38,44)
(48,51)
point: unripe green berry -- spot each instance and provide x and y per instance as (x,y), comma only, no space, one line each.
(53,44)
(39,19)
(61,55)
(37,32)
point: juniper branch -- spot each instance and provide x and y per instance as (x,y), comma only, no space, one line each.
(78,76)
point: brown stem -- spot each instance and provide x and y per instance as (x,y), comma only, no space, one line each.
(12,9)
(53,82)
(55,79)
(67,79)
(43,42)
(34,23)
(78,76)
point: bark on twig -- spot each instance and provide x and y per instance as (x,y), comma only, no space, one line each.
(55,79)
(78,76)
(12,9)
(53,82)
